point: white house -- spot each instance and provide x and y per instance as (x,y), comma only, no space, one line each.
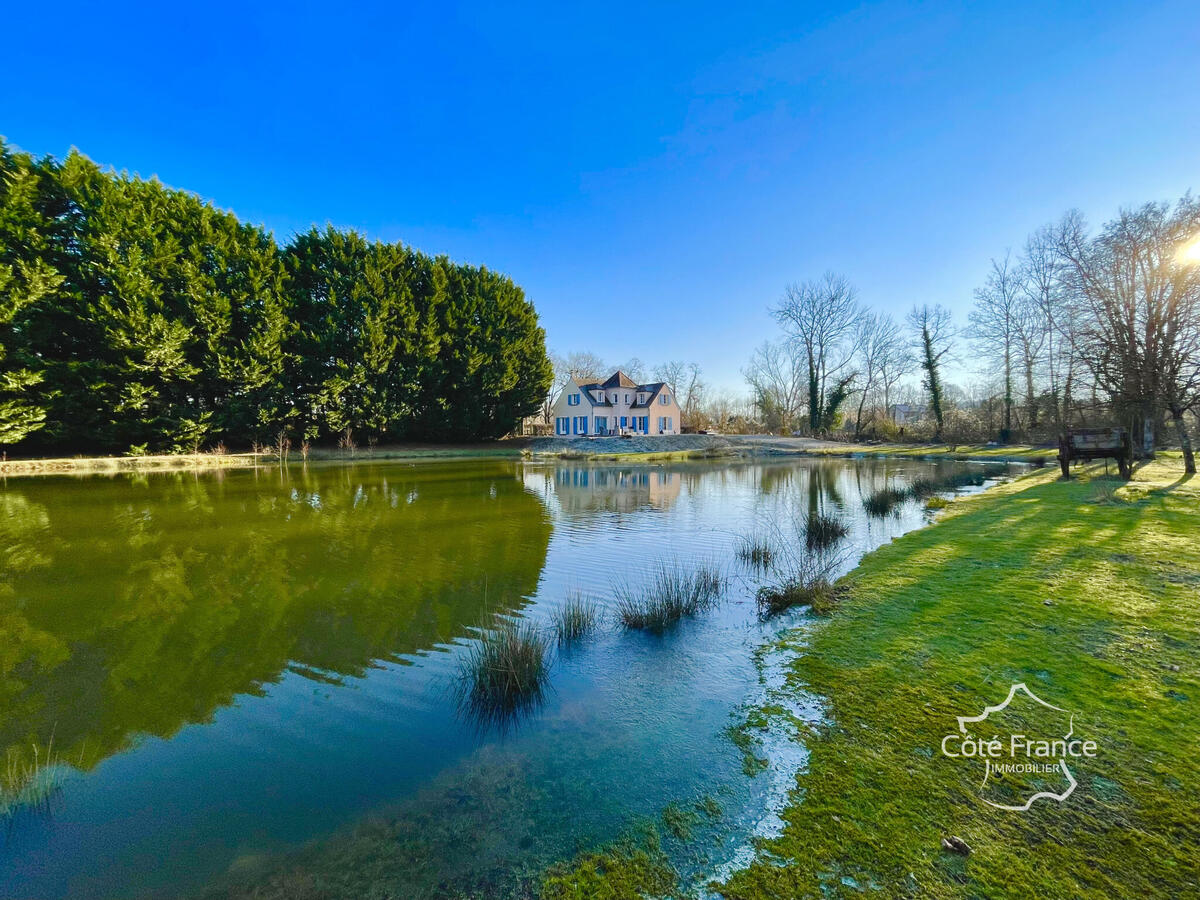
(618,406)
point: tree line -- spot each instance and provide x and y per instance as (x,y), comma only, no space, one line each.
(1077,328)
(135,317)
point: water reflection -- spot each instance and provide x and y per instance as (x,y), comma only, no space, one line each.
(131,607)
(245,663)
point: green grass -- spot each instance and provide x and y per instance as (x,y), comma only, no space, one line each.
(1095,606)
(173,462)
(632,868)
(1002,453)
(673,594)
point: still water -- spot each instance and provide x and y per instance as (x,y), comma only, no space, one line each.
(246,678)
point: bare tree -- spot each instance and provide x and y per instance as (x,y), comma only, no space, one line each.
(933,340)
(895,365)
(820,316)
(1051,316)
(580,365)
(776,375)
(635,369)
(683,378)
(994,323)
(1141,311)
(878,341)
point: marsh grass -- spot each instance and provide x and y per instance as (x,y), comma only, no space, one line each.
(808,582)
(884,501)
(822,531)
(923,487)
(575,619)
(680,821)
(673,594)
(30,782)
(504,674)
(756,552)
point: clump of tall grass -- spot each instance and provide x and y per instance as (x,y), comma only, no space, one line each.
(883,501)
(923,487)
(756,552)
(575,619)
(809,582)
(821,531)
(29,782)
(672,594)
(504,674)
(1104,492)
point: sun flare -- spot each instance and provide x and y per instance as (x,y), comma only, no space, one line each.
(1189,253)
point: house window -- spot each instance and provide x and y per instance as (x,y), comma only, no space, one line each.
(664,399)
(626,398)
(581,424)
(600,420)
(572,399)
(562,425)
(645,424)
(624,419)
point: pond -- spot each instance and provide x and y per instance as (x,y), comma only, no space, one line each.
(245,680)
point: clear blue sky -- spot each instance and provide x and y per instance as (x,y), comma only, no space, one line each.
(652,174)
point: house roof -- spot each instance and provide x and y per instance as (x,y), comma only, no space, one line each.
(653,390)
(620,379)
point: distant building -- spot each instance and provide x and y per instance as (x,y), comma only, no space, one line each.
(616,406)
(907,413)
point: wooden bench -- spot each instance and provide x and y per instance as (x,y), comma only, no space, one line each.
(1096,443)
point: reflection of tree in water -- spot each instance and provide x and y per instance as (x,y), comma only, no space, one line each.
(130,607)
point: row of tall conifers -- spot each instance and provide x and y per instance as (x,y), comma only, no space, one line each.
(137,317)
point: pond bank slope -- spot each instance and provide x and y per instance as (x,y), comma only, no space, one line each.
(1090,597)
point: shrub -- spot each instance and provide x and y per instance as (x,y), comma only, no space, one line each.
(809,583)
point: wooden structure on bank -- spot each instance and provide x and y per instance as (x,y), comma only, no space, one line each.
(1096,443)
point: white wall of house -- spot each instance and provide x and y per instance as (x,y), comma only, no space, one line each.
(577,412)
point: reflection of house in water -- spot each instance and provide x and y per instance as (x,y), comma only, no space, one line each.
(597,488)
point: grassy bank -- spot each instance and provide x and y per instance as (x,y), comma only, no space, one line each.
(962,452)
(110,465)
(1085,590)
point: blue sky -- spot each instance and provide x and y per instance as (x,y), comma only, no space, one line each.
(651,174)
